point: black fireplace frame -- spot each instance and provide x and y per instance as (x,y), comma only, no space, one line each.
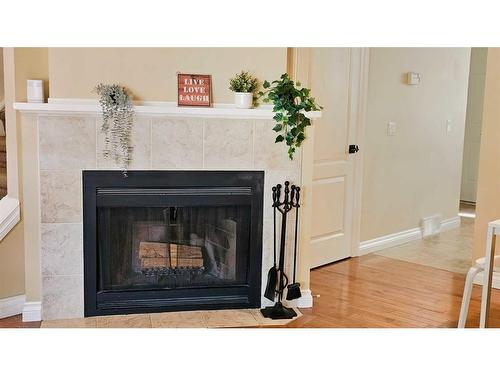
(104,188)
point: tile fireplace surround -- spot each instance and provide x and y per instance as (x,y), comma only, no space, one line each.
(70,140)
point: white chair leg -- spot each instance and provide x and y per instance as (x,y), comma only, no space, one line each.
(464,310)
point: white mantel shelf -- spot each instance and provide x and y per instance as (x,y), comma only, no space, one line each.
(84,106)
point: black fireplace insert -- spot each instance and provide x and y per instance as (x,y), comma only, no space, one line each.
(171,240)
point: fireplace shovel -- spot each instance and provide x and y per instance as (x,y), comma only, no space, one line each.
(272,275)
(293,291)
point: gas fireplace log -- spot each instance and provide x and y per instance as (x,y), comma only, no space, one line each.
(159,254)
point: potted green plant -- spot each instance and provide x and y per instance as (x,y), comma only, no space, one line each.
(244,86)
(291,102)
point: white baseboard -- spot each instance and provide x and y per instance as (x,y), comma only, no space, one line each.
(400,238)
(452,223)
(32,312)
(306,300)
(389,240)
(495,282)
(12,306)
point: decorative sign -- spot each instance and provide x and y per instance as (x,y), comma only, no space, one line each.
(194,90)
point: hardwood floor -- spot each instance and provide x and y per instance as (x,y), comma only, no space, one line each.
(379,292)
(376,291)
(17,322)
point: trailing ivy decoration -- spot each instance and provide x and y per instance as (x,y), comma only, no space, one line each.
(290,102)
(117,123)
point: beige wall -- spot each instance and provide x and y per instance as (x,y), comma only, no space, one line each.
(417,172)
(488,199)
(15,257)
(1,76)
(473,121)
(150,73)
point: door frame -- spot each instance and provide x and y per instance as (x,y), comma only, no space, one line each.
(299,68)
(359,75)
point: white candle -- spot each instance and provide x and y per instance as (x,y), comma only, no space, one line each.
(35,91)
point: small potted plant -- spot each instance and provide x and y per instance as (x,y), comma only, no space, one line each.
(243,85)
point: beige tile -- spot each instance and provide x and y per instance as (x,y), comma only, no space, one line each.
(61,196)
(184,319)
(228,144)
(450,250)
(271,155)
(62,249)
(67,142)
(62,297)
(70,323)
(140,141)
(177,143)
(230,318)
(124,321)
(262,321)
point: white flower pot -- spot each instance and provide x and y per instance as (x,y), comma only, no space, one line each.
(243,99)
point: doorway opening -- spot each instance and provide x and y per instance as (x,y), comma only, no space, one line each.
(422,154)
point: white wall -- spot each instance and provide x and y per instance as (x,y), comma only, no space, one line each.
(473,121)
(417,172)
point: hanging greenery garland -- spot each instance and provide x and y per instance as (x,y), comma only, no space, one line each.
(290,102)
(117,122)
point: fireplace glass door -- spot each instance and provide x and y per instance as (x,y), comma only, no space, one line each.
(148,248)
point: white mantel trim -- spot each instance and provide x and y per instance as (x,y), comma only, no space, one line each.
(88,106)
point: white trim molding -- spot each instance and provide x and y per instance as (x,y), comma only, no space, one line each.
(402,237)
(88,106)
(10,214)
(306,300)
(452,223)
(12,306)
(32,312)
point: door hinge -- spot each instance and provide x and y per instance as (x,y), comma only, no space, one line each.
(353,149)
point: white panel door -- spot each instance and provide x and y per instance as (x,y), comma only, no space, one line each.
(335,84)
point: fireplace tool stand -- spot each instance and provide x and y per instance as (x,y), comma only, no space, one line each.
(290,201)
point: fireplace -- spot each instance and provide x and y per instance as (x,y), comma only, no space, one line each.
(171,240)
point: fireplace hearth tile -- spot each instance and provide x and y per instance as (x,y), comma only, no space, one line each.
(62,297)
(186,319)
(67,142)
(271,155)
(244,318)
(62,249)
(230,318)
(262,321)
(61,196)
(140,141)
(228,144)
(70,323)
(124,321)
(177,144)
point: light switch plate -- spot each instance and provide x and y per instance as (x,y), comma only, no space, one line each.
(413,78)
(391,128)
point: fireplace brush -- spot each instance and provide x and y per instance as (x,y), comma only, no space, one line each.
(278,311)
(294,288)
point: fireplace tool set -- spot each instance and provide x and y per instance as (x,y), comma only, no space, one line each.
(277,280)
